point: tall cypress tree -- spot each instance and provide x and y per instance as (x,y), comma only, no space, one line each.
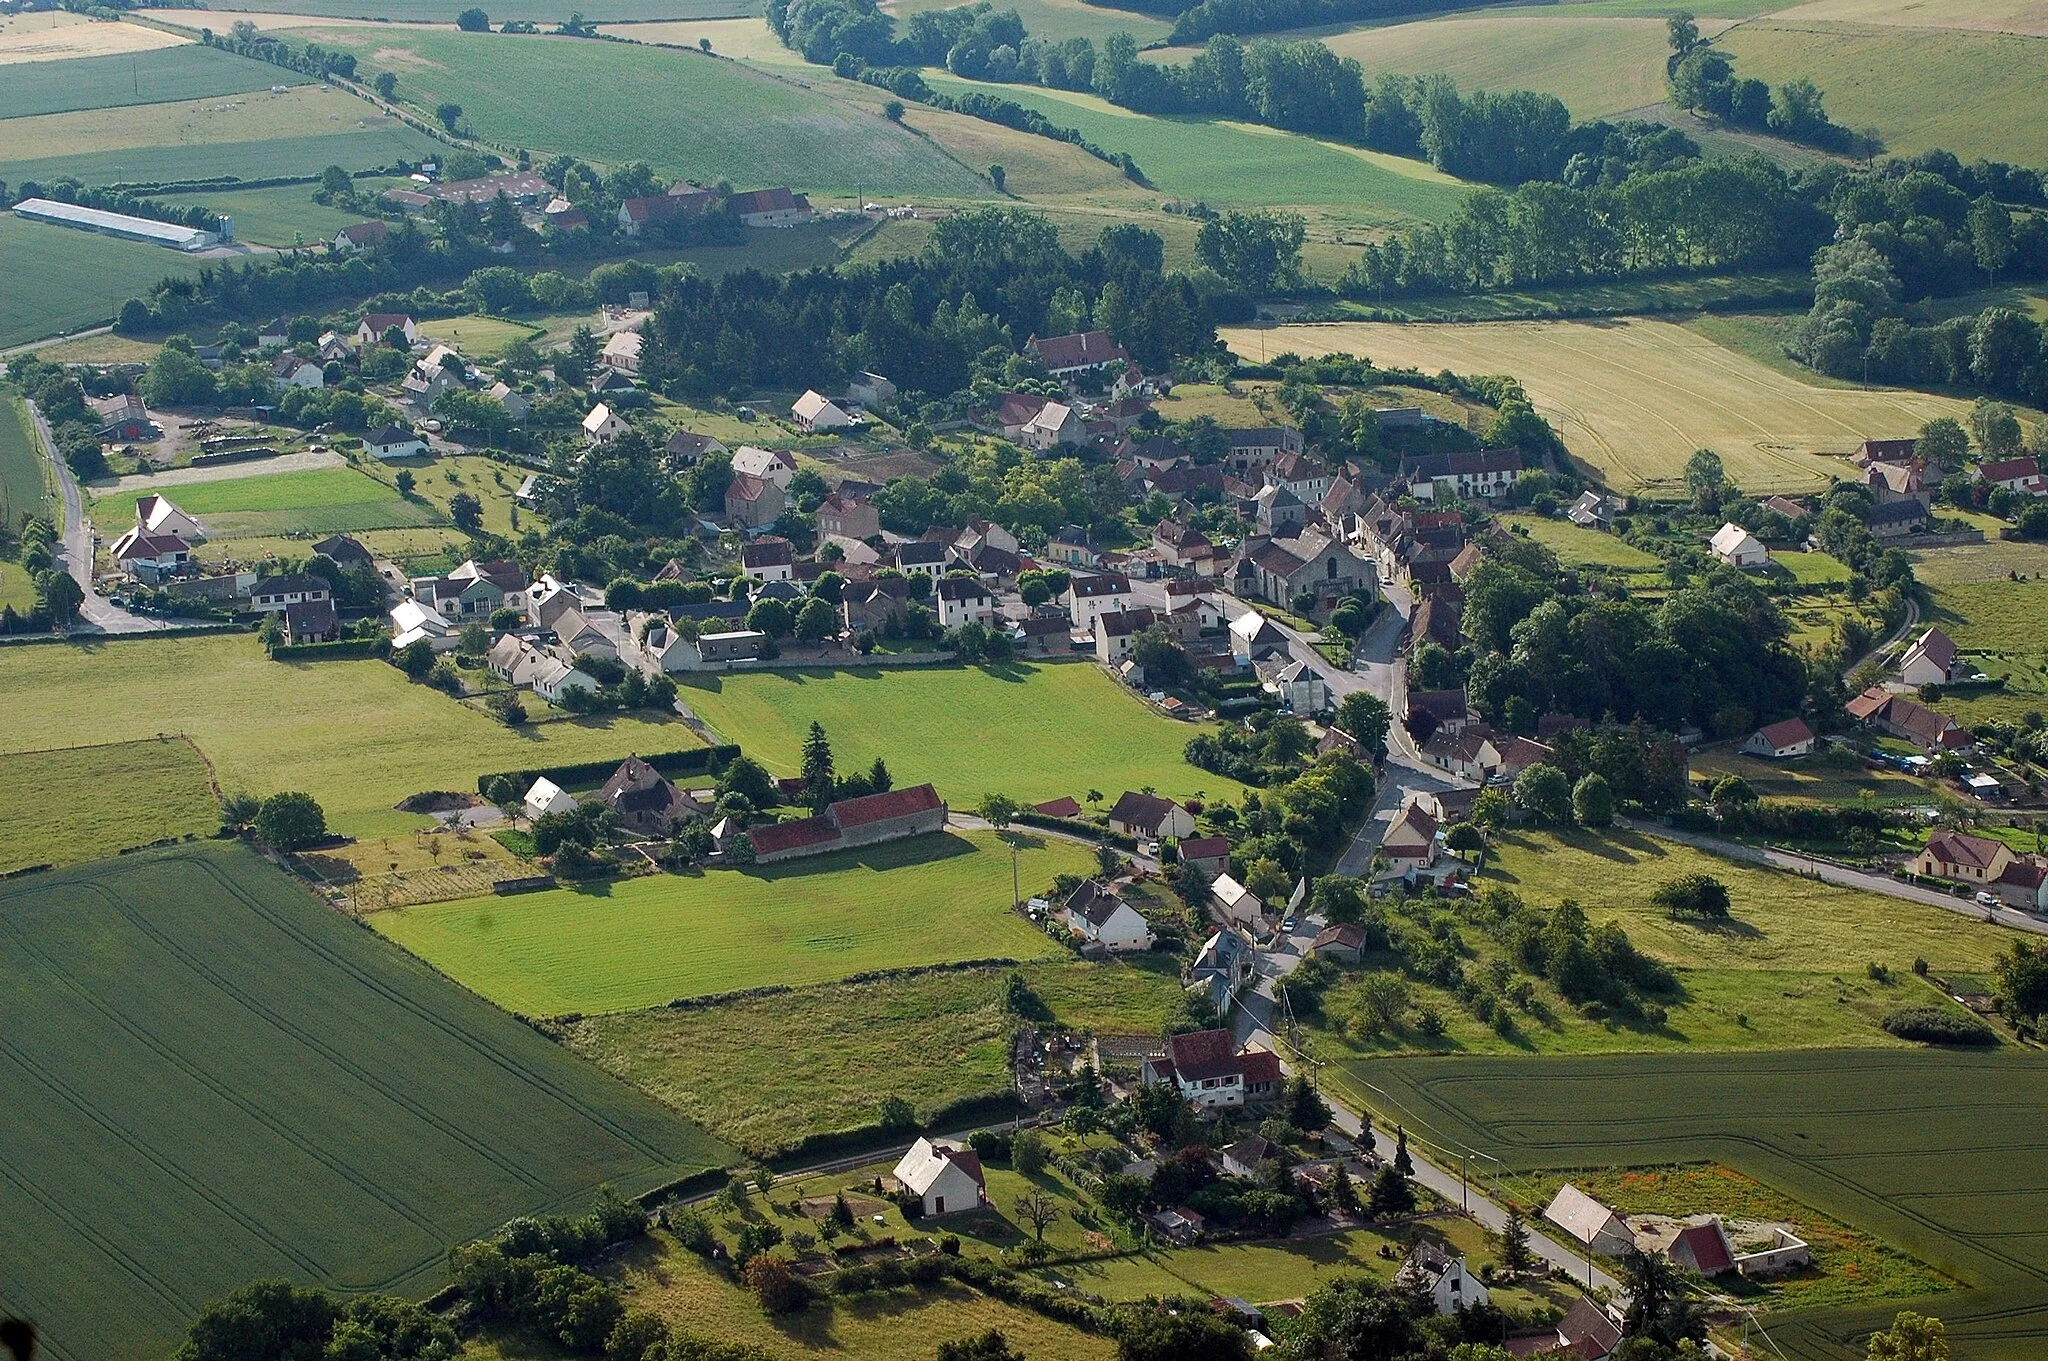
(818,775)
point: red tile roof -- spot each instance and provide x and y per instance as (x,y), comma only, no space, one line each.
(1708,1247)
(1203,1054)
(1077,351)
(1789,733)
(896,803)
(788,836)
(1064,806)
(1205,848)
(1260,1066)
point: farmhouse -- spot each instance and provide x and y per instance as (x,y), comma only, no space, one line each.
(770,208)
(646,801)
(870,389)
(1900,717)
(945,1177)
(622,351)
(864,821)
(1890,482)
(361,236)
(2021,476)
(1084,352)
(815,413)
(1787,507)
(1589,1223)
(1149,816)
(344,551)
(685,449)
(1931,660)
(670,649)
(393,441)
(1738,547)
(636,213)
(602,425)
(1212,1073)
(1779,740)
(1100,917)
(2023,882)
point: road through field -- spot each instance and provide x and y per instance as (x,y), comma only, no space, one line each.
(97,614)
(1634,398)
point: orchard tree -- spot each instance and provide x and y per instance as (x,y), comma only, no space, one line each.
(290,821)
(1544,790)
(1593,801)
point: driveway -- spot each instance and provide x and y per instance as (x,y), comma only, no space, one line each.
(75,547)
(304,461)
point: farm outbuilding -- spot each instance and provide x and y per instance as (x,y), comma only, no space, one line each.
(117,224)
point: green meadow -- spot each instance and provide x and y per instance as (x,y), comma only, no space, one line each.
(163,76)
(59,279)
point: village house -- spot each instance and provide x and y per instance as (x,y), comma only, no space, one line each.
(668,649)
(1899,717)
(1892,482)
(1343,942)
(944,1177)
(1781,740)
(361,236)
(1473,752)
(637,213)
(1100,917)
(851,517)
(1299,687)
(775,207)
(1738,547)
(875,605)
(1039,422)
(1587,1332)
(927,557)
(1885,451)
(622,351)
(474,588)
(1089,598)
(547,797)
(1117,632)
(1071,546)
(1223,968)
(412,622)
(1069,356)
(343,551)
(2021,476)
(1233,905)
(1990,865)
(768,558)
(1248,453)
(311,621)
(770,465)
(963,600)
(1589,1223)
(1211,1073)
(1209,855)
(1242,1158)
(645,801)
(1150,817)
(602,425)
(372,329)
(1594,510)
(294,372)
(752,502)
(1410,840)
(686,450)
(1447,710)
(1275,510)
(1931,660)
(1181,545)
(151,558)
(1896,519)
(1442,1277)
(1255,638)
(864,821)
(393,441)
(274,594)
(1478,476)
(815,414)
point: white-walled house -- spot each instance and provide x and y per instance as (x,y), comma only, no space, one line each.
(394,441)
(602,425)
(548,797)
(946,1177)
(815,413)
(1738,547)
(1101,917)
(1790,737)
(1211,1072)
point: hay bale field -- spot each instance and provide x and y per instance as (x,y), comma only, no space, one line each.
(358,736)
(642,942)
(214,1079)
(1633,399)
(1929,1151)
(682,112)
(62,36)
(1031,730)
(86,803)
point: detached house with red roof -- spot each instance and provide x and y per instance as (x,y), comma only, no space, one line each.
(1780,740)
(1930,661)
(1988,864)
(1899,717)
(770,208)
(1212,1073)
(1082,352)
(2021,476)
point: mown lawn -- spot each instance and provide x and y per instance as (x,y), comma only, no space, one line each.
(86,803)
(1579,547)
(843,1048)
(478,337)
(317,501)
(357,735)
(642,942)
(1031,730)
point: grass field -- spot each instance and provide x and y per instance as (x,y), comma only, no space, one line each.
(1033,731)
(28,40)
(1977,94)
(642,942)
(841,1049)
(1787,972)
(1634,399)
(1577,547)
(319,501)
(478,337)
(357,736)
(86,803)
(63,280)
(444,11)
(24,492)
(683,113)
(165,76)
(254,136)
(1997,16)
(1931,1151)
(1827,776)
(1241,165)
(282,216)
(214,1079)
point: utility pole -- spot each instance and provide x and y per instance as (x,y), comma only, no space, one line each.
(1464,1186)
(1016,895)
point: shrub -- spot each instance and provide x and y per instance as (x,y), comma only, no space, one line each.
(778,1290)
(1700,895)
(1938,1025)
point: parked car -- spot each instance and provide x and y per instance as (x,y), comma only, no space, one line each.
(1987,900)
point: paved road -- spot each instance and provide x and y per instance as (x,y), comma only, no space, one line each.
(75,546)
(1897,634)
(1848,878)
(305,460)
(48,341)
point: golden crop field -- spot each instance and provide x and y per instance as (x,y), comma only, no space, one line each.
(1634,398)
(305,111)
(1995,16)
(59,35)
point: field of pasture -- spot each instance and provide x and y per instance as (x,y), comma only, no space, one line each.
(444,11)
(844,1048)
(642,942)
(284,215)
(357,736)
(168,75)
(1033,731)
(1926,1150)
(23,491)
(682,112)
(63,280)
(87,803)
(318,501)
(1634,398)
(213,1079)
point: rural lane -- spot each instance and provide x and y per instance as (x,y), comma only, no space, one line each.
(97,614)
(1843,877)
